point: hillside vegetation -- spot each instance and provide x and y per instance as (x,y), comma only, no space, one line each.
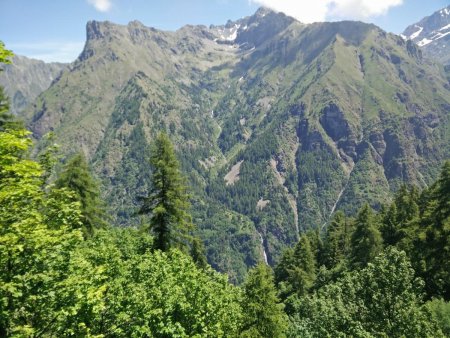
(277,124)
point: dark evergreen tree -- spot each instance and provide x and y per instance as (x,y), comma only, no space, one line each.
(76,177)
(296,271)
(304,273)
(5,116)
(285,265)
(398,223)
(337,240)
(167,203)
(432,250)
(366,241)
(198,253)
(262,310)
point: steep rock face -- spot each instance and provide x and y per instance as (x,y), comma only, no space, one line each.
(26,78)
(320,117)
(432,33)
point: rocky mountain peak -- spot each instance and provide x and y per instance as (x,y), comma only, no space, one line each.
(252,31)
(263,11)
(96,29)
(432,33)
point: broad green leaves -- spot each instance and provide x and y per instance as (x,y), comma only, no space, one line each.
(381,300)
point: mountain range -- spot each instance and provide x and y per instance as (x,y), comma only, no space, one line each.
(277,124)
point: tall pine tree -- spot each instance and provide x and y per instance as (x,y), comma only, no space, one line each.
(398,222)
(167,203)
(296,271)
(76,177)
(337,240)
(262,310)
(432,250)
(366,241)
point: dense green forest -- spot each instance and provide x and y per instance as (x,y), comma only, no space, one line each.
(66,271)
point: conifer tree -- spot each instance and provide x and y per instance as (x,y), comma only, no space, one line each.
(76,177)
(296,271)
(399,222)
(304,273)
(167,203)
(433,249)
(337,240)
(366,241)
(198,253)
(262,310)
(285,264)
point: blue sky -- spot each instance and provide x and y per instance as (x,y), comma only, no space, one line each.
(54,30)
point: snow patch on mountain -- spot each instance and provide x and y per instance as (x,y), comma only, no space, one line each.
(444,28)
(417,33)
(424,42)
(432,34)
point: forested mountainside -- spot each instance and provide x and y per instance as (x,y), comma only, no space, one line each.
(24,79)
(277,124)
(66,272)
(262,153)
(432,33)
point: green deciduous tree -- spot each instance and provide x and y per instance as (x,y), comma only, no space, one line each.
(440,311)
(263,314)
(167,203)
(5,54)
(76,177)
(118,287)
(36,237)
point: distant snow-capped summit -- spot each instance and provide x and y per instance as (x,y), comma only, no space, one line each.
(432,33)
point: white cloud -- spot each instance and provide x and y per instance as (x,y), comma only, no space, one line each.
(308,11)
(49,51)
(101,5)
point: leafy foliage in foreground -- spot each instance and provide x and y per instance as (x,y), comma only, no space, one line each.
(381,299)
(118,287)
(37,234)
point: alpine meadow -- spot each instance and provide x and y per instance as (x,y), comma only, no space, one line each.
(262,178)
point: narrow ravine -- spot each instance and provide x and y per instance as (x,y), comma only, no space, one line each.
(337,201)
(263,247)
(293,203)
(333,209)
(291,198)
